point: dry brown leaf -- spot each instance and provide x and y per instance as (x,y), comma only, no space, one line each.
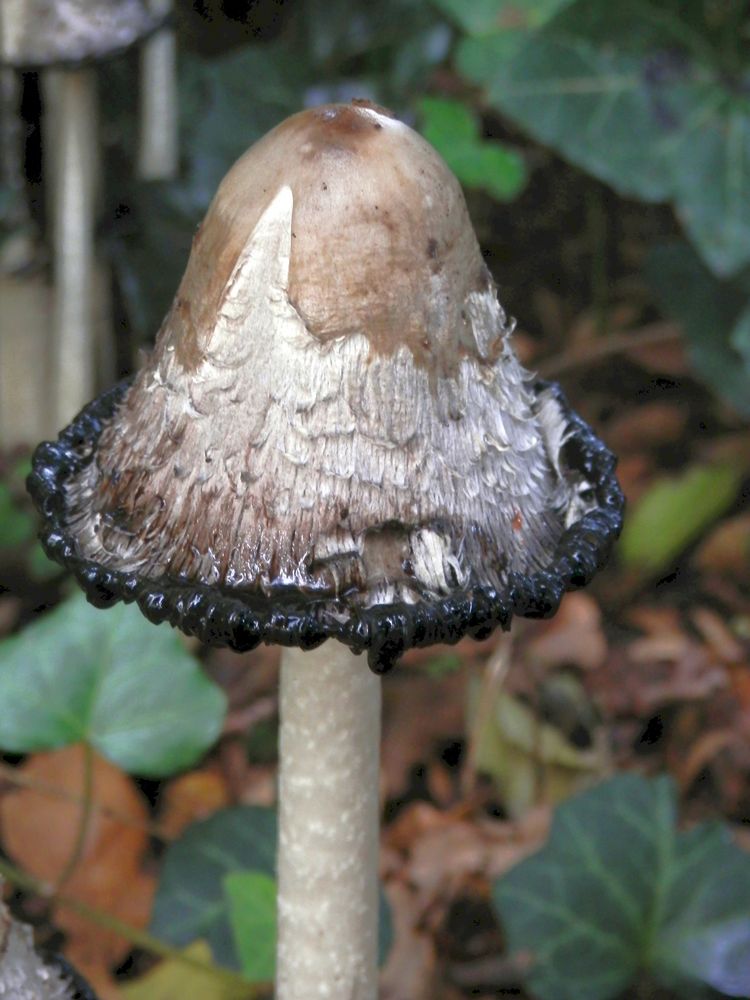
(413,822)
(95,951)
(654,672)
(445,859)
(419,712)
(654,620)
(573,636)
(701,754)
(410,972)
(190,797)
(635,473)
(441,784)
(39,832)
(718,635)
(666,354)
(645,426)
(727,548)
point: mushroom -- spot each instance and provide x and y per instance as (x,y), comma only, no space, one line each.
(157,141)
(60,38)
(332,440)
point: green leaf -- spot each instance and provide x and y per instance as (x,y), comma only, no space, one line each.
(191,902)
(453,129)
(481,17)
(674,512)
(639,96)
(713,315)
(740,337)
(447,123)
(712,188)
(252,915)
(221,114)
(443,664)
(619,893)
(128,688)
(16,525)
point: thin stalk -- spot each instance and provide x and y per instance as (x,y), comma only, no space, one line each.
(158,148)
(84,818)
(493,678)
(329,745)
(70,97)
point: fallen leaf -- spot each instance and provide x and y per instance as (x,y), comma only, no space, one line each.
(190,797)
(40,832)
(573,636)
(416,819)
(718,635)
(411,970)
(444,859)
(419,712)
(172,978)
(726,549)
(646,426)
(531,760)
(667,356)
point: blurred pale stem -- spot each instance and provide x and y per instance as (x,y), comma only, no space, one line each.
(71,113)
(329,746)
(158,143)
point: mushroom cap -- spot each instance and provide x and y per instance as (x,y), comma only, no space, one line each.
(35,33)
(332,436)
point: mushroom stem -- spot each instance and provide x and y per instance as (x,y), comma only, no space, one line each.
(72,113)
(158,142)
(328,826)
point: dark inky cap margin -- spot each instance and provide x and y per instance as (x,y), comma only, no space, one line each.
(219,617)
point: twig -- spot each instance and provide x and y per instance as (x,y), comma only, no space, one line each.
(598,350)
(493,678)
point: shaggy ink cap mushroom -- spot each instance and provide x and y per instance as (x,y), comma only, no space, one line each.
(36,33)
(332,437)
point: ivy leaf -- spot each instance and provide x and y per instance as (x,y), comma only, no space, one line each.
(191,902)
(128,688)
(252,915)
(639,96)
(619,892)
(740,338)
(453,129)
(485,16)
(714,314)
(674,512)
(16,525)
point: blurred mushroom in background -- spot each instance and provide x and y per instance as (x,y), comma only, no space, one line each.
(54,343)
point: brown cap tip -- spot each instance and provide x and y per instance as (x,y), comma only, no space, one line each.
(381,242)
